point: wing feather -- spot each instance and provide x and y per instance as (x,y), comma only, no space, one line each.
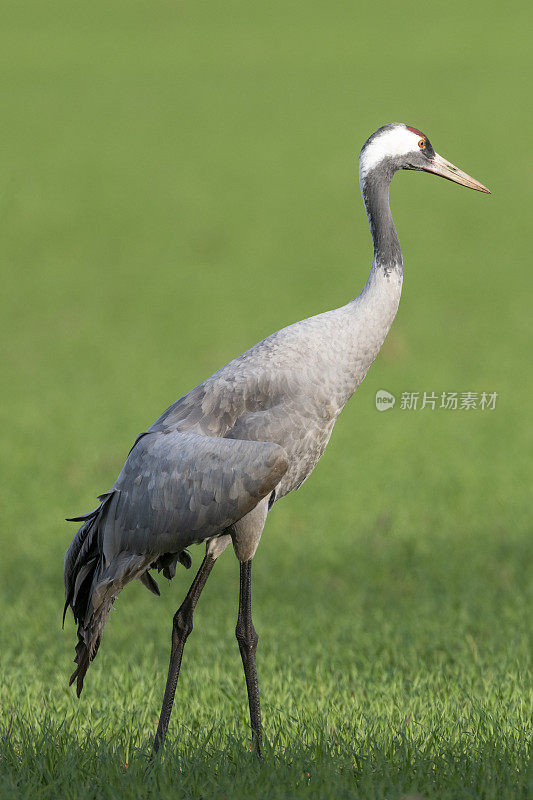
(179,488)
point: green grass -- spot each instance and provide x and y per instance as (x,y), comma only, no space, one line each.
(176,182)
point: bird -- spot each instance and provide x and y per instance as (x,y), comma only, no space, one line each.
(211,467)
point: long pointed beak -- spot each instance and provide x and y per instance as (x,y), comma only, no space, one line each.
(439,166)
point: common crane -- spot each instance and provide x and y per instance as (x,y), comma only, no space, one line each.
(212,465)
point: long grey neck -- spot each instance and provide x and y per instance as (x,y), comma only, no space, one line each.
(375,190)
(370,315)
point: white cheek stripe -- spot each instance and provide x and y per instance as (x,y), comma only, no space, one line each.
(393,142)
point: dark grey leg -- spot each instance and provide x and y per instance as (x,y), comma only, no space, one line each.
(247,639)
(181,628)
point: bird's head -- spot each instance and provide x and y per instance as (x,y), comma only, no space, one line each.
(398,146)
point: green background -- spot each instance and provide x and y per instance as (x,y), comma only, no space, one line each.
(177,181)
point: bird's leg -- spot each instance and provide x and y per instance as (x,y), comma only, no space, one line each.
(247,639)
(181,628)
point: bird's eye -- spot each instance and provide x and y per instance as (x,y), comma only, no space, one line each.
(422,144)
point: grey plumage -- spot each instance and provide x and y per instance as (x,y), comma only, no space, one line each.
(211,466)
(257,425)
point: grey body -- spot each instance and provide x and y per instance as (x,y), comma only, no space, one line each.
(211,466)
(288,391)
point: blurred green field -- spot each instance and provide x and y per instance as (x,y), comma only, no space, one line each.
(177,181)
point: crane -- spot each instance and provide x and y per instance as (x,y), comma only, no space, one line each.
(210,468)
